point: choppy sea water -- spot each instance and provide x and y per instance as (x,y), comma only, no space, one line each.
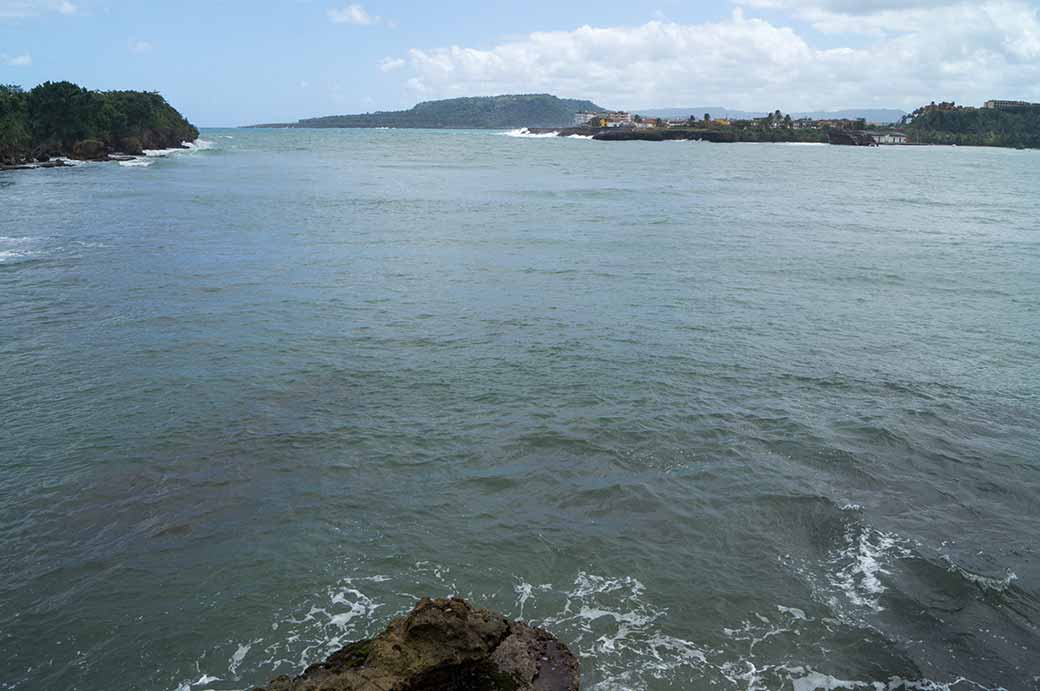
(720,416)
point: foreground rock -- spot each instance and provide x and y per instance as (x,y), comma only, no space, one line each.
(445,645)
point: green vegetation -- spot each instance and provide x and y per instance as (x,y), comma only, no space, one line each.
(486,112)
(51,119)
(775,127)
(949,124)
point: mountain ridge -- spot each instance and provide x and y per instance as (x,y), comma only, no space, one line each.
(469,112)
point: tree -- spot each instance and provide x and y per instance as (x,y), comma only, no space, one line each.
(14,131)
(62,111)
(707,117)
(788,124)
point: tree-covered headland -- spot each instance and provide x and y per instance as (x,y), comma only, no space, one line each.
(948,123)
(63,119)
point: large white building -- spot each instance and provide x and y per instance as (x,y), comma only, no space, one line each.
(615,118)
(889,137)
(1001,105)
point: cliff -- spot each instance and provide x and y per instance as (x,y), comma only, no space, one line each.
(63,119)
(484,112)
(444,645)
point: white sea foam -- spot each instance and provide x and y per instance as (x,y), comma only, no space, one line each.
(137,163)
(525,133)
(238,656)
(794,612)
(580,136)
(525,590)
(185,148)
(13,255)
(610,622)
(852,577)
(15,248)
(994,583)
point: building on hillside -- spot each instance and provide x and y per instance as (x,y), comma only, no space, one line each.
(618,118)
(1007,105)
(607,119)
(889,137)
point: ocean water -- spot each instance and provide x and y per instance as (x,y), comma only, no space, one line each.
(720,416)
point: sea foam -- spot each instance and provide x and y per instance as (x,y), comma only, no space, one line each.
(525,133)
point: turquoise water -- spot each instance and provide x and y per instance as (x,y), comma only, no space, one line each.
(720,416)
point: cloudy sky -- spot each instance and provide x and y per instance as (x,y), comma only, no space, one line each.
(238,62)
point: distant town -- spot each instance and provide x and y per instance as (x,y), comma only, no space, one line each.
(855,132)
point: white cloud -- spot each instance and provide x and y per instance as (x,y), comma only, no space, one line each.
(353,14)
(23,60)
(140,47)
(12,9)
(942,50)
(391,64)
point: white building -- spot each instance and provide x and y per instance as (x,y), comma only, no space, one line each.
(583,118)
(1006,105)
(889,137)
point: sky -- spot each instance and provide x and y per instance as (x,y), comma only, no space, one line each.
(235,62)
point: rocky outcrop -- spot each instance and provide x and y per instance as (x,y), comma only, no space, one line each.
(132,146)
(90,150)
(850,138)
(445,645)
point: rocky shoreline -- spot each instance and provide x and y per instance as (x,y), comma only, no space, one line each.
(88,150)
(445,645)
(91,150)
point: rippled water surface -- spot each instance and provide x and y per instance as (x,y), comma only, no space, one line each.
(720,416)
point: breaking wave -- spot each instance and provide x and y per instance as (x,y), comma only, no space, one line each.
(185,148)
(523,132)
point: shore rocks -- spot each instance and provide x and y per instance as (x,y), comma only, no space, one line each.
(445,645)
(89,150)
(132,146)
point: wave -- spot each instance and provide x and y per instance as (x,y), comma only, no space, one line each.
(137,163)
(525,133)
(992,583)
(11,256)
(185,148)
(625,640)
(14,249)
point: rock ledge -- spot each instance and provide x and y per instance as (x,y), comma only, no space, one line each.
(445,645)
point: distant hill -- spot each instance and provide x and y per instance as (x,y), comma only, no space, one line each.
(877,115)
(483,112)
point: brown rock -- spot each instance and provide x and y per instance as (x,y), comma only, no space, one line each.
(445,645)
(89,150)
(132,146)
